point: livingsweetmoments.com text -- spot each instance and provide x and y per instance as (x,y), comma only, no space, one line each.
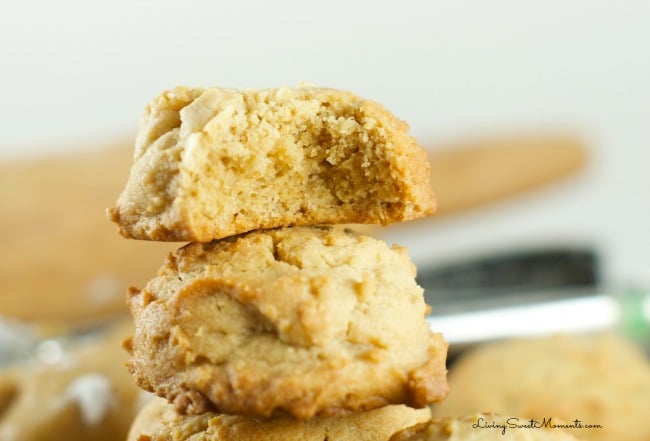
(484,422)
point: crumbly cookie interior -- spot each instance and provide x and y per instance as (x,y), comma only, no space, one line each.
(218,147)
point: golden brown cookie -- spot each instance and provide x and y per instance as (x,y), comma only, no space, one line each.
(487,427)
(302,320)
(80,393)
(158,421)
(212,163)
(598,380)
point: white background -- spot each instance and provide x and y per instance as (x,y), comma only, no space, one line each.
(76,71)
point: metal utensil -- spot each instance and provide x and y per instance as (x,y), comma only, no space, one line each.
(530,292)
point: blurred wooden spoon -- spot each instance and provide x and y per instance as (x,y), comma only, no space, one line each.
(471,173)
(63,260)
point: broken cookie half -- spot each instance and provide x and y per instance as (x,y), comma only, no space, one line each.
(212,163)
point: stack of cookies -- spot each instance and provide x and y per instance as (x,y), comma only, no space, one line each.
(269,324)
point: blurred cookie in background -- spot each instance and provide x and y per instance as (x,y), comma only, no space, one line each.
(595,379)
(81,392)
(485,427)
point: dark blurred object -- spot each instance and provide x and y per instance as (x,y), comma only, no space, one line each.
(520,293)
(516,277)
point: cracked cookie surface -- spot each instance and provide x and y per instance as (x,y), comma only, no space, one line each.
(303,321)
(160,422)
